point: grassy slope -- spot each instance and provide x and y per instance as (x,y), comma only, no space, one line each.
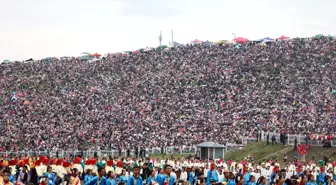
(259,151)
(317,153)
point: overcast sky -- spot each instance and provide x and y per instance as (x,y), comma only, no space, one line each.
(47,28)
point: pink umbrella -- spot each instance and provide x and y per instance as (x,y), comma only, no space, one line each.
(97,55)
(240,40)
(196,41)
(282,37)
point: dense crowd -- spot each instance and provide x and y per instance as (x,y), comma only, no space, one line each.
(146,171)
(177,96)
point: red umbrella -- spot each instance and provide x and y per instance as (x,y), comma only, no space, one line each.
(97,55)
(240,40)
(283,37)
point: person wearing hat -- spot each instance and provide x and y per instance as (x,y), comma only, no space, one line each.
(109,166)
(119,166)
(135,179)
(58,167)
(77,164)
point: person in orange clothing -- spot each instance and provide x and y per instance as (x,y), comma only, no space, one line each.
(1,173)
(5,180)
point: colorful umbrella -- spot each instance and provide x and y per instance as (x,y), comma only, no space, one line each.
(221,42)
(85,53)
(97,55)
(176,43)
(86,57)
(267,39)
(162,47)
(282,37)
(241,40)
(196,41)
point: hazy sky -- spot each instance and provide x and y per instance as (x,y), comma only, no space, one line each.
(47,28)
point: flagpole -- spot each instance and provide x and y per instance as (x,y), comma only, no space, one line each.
(172,36)
(160,38)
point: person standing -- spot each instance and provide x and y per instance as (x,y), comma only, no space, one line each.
(5,179)
(111,179)
(184,175)
(267,139)
(23,177)
(50,175)
(212,175)
(135,179)
(273,139)
(74,178)
(192,176)
(98,180)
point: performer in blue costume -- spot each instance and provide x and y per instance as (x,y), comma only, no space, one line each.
(247,177)
(111,179)
(87,175)
(252,180)
(192,176)
(50,175)
(212,175)
(98,180)
(135,179)
(167,177)
(321,177)
(152,178)
(231,179)
(311,180)
(123,177)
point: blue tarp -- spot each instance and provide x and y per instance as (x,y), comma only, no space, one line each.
(176,43)
(267,39)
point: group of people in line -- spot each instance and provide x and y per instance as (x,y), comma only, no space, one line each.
(146,171)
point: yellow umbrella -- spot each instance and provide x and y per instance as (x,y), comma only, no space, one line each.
(221,42)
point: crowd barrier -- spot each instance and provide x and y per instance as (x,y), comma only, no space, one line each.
(291,139)
(166,150)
